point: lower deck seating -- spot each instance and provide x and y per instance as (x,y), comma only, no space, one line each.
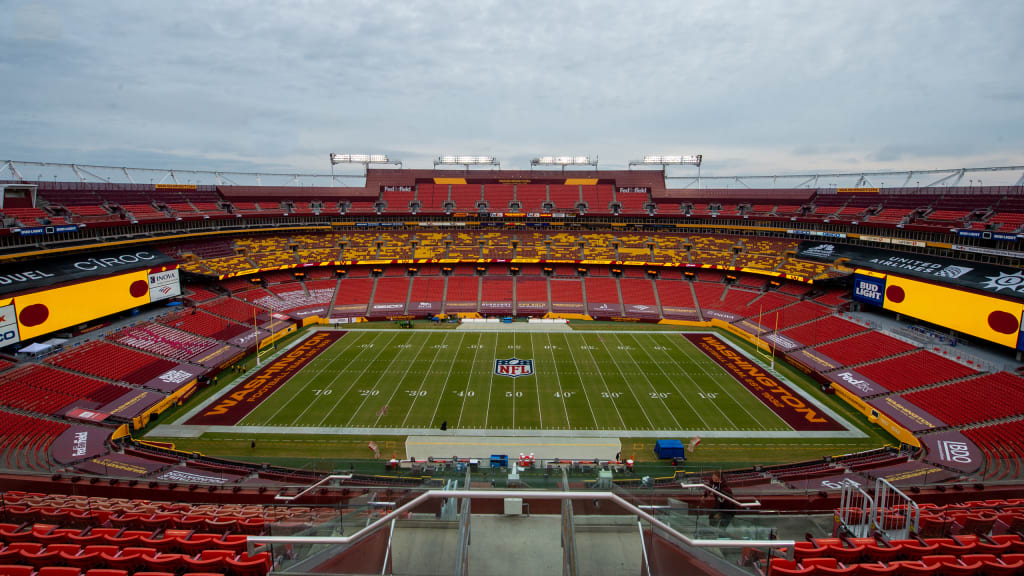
(25,441)
(987,397)
(864,348)
(162,340)
(113,362)
(913,370)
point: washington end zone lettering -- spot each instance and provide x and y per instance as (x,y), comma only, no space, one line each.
(796,412)
(235,405)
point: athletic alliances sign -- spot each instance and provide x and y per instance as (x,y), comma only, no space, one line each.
(513,367)
(983,277)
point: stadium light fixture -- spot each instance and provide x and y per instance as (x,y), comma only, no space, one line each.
(564,161)
(666,160)
(466,161)
(362,159)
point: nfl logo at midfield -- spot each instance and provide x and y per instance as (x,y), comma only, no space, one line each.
(513,367)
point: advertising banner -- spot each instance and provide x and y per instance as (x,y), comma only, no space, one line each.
(994,319)
(953,450)
(46,311)
(906,414)
(913,474)
(604,309)
(175,378)
(42,273)
(186,475)
(869,290)
(856,383)
(119,466)
(677,313)
(78,443)
(975,275)
(133,404)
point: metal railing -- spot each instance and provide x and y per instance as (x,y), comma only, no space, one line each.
(426,496)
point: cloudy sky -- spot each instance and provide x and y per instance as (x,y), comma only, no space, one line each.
(757,87)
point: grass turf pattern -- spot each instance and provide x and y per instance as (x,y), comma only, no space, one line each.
(579,381)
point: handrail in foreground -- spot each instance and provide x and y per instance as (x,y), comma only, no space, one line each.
(754,504)
(525,494)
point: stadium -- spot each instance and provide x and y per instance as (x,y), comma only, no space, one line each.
(638,370)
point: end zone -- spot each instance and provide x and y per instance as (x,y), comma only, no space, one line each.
(230,408)
(798,413)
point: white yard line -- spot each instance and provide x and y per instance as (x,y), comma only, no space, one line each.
(722,388)
(626,382)
(295,395)
(649,383)
(398,384)
(469,380)
(673,382)
(340,373)
(427,375)
(380,379)
(311,380)
(354,380)
(444,386)
(603,381)
(561,391)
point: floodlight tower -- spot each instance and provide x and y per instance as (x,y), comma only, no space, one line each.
(685,159)
(564,161)
(364,159)
(467,161)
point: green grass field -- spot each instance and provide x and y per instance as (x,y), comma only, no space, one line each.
(582,381)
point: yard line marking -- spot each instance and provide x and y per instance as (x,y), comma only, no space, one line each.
(603,381)
(298,419)
(696,384)
(353,382)
(540,412)
(427,375)
(318,372)
(383,373)
(399,383)
(649,383)
(673,382)
(675,342)
(490,388)
(561,390)
(625,381)
(443,386)
(472,366)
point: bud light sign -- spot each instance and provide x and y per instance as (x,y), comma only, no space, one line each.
(869,290)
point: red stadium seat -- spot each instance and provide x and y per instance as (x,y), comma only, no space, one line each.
(244,565)
(877,569)
(106,572)
(209,561)
(917,568)
(15,570)
(195,543)
(829,566)
(949,546)
(915,550)
(952,566)
(12,553)
(166,562)
(59,571)
(781,567)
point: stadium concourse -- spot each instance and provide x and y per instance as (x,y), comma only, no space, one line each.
(128,311)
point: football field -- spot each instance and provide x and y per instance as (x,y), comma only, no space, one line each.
(580,381)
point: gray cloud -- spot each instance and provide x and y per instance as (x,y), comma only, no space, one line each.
(757,87)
